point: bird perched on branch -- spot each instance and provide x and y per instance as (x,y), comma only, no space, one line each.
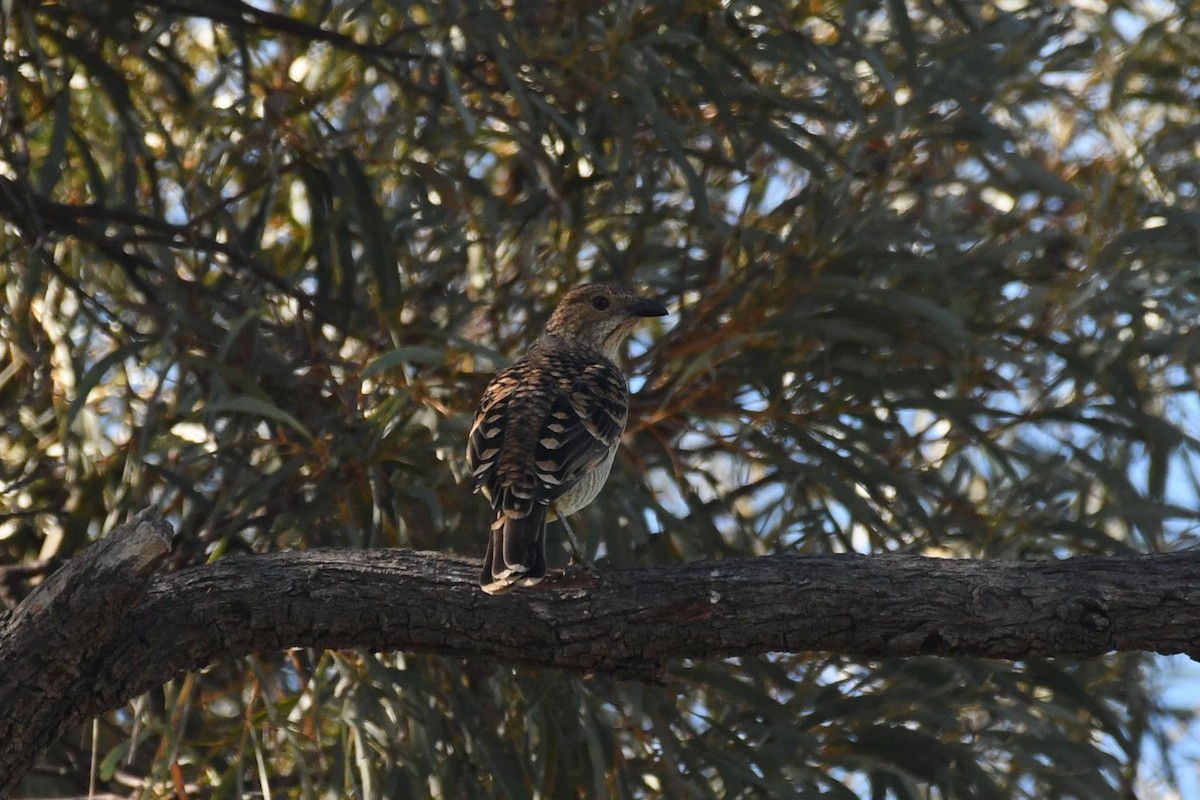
(544,437)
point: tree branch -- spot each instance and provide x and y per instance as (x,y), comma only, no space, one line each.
(50,643)
(115,636)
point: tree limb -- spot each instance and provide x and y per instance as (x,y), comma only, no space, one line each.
(50,644)
(116,635)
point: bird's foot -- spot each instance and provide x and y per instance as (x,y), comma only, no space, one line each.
(577,555)
(579,566)
(576,575)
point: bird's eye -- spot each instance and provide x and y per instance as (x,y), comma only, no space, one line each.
(599,303)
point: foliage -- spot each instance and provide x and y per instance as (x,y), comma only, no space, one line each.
(933,275)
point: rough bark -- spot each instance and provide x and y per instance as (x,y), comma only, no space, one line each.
(99,632)
(50,644)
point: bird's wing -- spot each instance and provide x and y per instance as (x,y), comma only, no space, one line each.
(585,421)
(485,442)
(538,430)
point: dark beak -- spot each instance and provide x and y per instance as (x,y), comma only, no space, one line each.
(646,308)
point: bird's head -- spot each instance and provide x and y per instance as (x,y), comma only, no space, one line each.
(601,314)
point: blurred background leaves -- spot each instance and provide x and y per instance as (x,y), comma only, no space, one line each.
(933,271)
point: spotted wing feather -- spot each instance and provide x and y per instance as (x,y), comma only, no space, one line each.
(543,423)
(584,424)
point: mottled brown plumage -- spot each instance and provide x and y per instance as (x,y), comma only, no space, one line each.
(548,427)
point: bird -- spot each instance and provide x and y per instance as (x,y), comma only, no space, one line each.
(543,439)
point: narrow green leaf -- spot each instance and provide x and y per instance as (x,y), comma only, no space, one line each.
(95,176)
(414,354)
(92,378)
(258,407)
(108,767)
(55,160)
(372,229)
(250,237)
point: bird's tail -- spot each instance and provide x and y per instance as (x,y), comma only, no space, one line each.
(516,551)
